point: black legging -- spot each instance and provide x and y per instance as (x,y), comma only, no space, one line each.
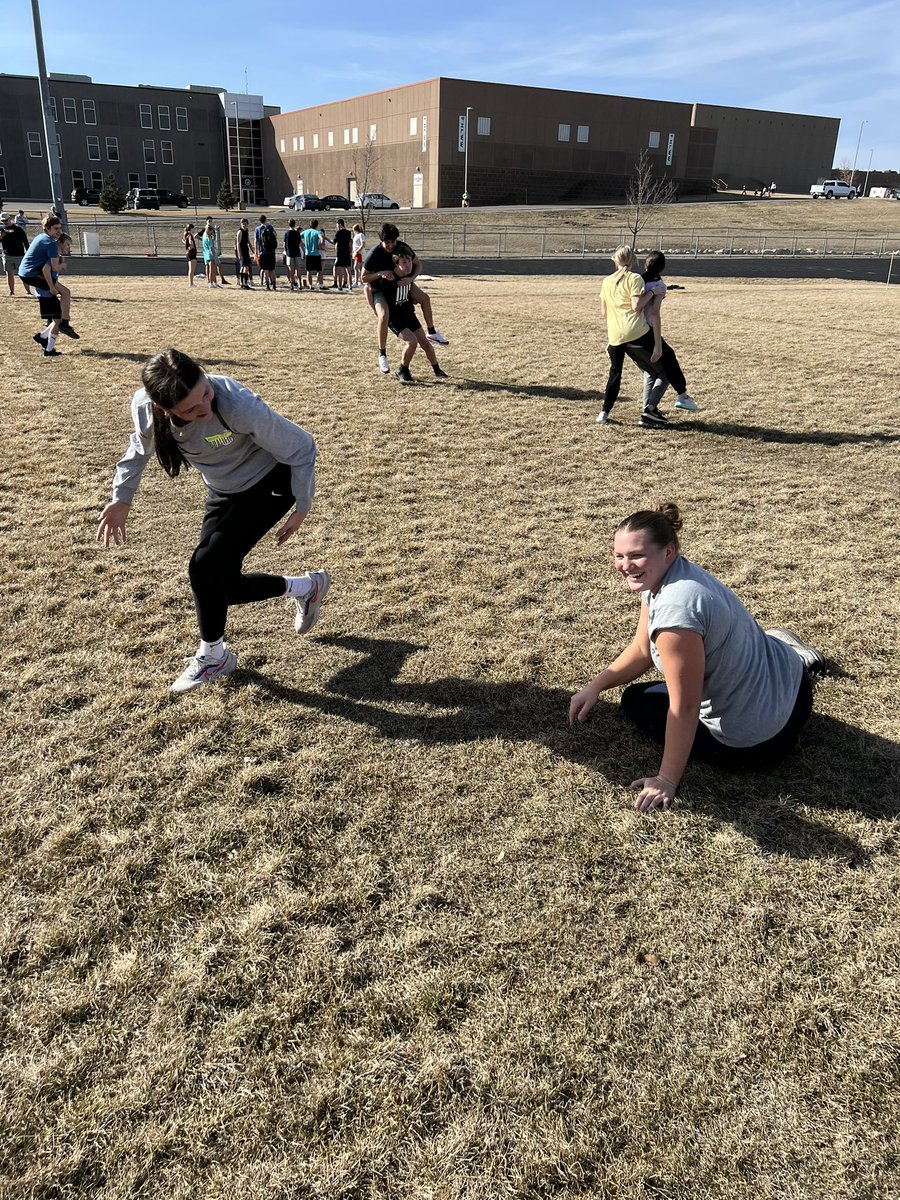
(639,351)
(232,526)
(647,704)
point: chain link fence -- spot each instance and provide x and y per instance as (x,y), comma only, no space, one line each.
(153,238)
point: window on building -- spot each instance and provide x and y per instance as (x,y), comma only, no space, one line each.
(167,153)
(302,142)
(134,180)
(315,141)
(97,180)
(484,126)
(295,144)
(3,186)
(653,144)
(330,137)
(187,186)
(146,116)
(152,180)
(112,149)
(413,126)
(77,179)
(346,137)
(163,117)
(584,132)
(181,121)
(203,183)
(149,150)
(53,108)
(565,132)
(93,147)
(89,112)
(70,112)
(373,132)
(354,136)
(34,145)
(280,146)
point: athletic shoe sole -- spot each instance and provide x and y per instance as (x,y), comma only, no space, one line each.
(437,339)
(652,419)
(811,658)
(686,406)
(308,607)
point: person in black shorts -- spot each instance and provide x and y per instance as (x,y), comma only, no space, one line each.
(242,255)
(402,319)
(293,255)
(50,305)
(343,256)
(378,270)
(266,245)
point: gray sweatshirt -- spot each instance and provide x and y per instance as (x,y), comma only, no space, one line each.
(236,448)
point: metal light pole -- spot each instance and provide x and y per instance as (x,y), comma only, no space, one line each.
(228,150)
(868,170)
(56,190)
(858,140)
(237,143)
(466,166)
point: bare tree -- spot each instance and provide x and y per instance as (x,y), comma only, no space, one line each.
(844,169)
(646,192)
(365,166)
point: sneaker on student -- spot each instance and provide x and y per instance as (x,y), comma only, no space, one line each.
(383,365)
(40,338)
(54,353)
(66,328)
(439,374)
(652,418)
(438,338)
(811,658)
(308,607)
(688,403)
(212,285)
(402,373)
(602,417)
(201,669)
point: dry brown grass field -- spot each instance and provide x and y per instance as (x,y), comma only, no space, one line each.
(367,921)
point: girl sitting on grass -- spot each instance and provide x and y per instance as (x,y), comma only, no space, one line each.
(733,695)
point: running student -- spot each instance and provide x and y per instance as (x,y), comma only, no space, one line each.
(39,268)
(734,696)
(402,319)
(50,306)
(654,389)
(256,465)
(378,270)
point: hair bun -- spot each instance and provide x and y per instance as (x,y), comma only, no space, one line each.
(672,515)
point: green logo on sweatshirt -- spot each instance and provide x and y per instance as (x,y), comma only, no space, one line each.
(220,439)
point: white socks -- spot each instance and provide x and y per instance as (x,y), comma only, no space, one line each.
(212,649)
(297,587)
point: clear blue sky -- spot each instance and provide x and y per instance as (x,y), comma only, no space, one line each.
(826,57)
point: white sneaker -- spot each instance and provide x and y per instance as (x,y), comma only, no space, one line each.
(308,607)
(438,338)
(383,365)
(212,285)
(202,670)
(811,658)
(688,403)
(603,418)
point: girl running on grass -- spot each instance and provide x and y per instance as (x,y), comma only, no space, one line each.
(734,696)
(654,265)
(256,466)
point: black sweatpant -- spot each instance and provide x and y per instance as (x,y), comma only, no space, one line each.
(232,526)
(639,352)
(647,704)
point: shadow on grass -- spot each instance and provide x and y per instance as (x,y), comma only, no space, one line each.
(547,390)
(854,770)
(131,356)
(816,437)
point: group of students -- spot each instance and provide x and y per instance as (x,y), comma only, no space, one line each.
(39,270)
(302,254)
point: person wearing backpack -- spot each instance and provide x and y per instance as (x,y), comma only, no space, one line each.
(266,248)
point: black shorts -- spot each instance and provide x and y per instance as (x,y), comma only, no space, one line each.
(267,260)
(343,260)
(314,262)
(245,260)
(49,305)
(191,256)
(34,281)
(403,318)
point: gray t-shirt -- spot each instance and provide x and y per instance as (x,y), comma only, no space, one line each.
(236,448)
(751,681)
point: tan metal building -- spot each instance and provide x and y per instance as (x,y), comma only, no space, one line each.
(529,145)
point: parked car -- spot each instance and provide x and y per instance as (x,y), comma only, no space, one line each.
(833,189)
(85,196)
(304,201)
(329,202)
(179,199)
(142,198)
(376,200)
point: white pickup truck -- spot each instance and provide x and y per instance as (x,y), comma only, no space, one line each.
(833,189)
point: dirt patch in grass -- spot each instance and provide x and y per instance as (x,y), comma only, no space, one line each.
(368,920)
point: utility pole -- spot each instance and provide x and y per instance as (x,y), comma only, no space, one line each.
(856,155)
(56,189)
(466,166)
(868,170)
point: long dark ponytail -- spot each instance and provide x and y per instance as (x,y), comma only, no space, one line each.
(167,378)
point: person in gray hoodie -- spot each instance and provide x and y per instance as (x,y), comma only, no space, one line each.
(256,465)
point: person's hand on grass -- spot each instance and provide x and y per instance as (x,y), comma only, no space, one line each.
(582,703)
(111,526)
(654,791)
(290,527)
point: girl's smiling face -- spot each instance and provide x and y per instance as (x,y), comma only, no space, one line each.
(197,404)
(640,561)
